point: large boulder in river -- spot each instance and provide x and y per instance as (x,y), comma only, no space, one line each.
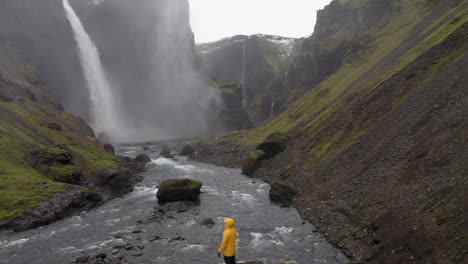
(178,190)
(143,158)
(187,150)
(282,193)
(273,145)
(252,162)
(166,152)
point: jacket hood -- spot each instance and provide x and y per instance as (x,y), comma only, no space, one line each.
(228,223)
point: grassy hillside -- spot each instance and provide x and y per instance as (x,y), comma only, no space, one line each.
(360,75)
(34,129)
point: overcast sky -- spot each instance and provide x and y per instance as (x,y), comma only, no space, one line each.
(215,19)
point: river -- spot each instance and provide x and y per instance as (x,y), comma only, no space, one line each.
(171,233)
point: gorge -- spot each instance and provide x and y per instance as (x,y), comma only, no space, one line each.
(362,122)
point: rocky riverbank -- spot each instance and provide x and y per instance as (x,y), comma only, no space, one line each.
(103,185)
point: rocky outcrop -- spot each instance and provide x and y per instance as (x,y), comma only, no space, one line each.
(252,162)
(233,115)
(282,193)
(178,190)
(273,145)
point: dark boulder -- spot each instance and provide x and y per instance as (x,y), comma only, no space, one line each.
(207,222)
(109,148)
(282,194)
(273,145)
(54,126)
(101,256)
(145,148)
(187,150)
(252,162)
(115,181)
(133,165)
(143,158)
(166,152)
(82,259)
(178,190)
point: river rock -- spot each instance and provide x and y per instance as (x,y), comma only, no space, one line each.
(252,162)
(101,256)
(178,190)
(136,254)
(207,222)
(82,259)
(273,145)
(143,158)
(166,152)
(187,150)
(282,193)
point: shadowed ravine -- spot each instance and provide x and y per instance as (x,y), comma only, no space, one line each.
(171,233)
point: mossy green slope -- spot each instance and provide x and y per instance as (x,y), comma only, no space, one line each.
(25,112)
(358,75)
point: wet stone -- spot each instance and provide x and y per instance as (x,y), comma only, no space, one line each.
(136,254)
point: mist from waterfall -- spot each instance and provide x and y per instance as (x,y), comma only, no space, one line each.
(148,53)
(103,111)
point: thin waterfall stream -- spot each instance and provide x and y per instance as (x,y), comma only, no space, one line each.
(244,91)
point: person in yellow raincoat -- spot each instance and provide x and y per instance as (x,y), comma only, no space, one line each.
(228,246)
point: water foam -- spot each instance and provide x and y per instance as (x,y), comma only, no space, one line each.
(14,243)
(164,162)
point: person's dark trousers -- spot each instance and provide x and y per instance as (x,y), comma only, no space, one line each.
(230,260)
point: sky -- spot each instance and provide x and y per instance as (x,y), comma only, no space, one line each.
(212,20)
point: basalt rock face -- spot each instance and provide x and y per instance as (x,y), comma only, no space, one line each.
(232,116)
(259,62)
(341,30)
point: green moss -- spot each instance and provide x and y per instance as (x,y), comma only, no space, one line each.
(257,154)
(22,187)
(319,152)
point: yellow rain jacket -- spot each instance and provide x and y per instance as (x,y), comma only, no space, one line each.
(228,246)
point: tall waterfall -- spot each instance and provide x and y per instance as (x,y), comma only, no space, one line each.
(244,92)
(102,101)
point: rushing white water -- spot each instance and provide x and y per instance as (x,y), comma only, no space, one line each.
(244,93)
(103,111)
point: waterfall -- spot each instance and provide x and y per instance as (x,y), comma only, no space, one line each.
(244,92)
(272,110)
(103,112)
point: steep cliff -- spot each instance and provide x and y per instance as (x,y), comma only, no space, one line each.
(375,145)
(259,62)
(148,55)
